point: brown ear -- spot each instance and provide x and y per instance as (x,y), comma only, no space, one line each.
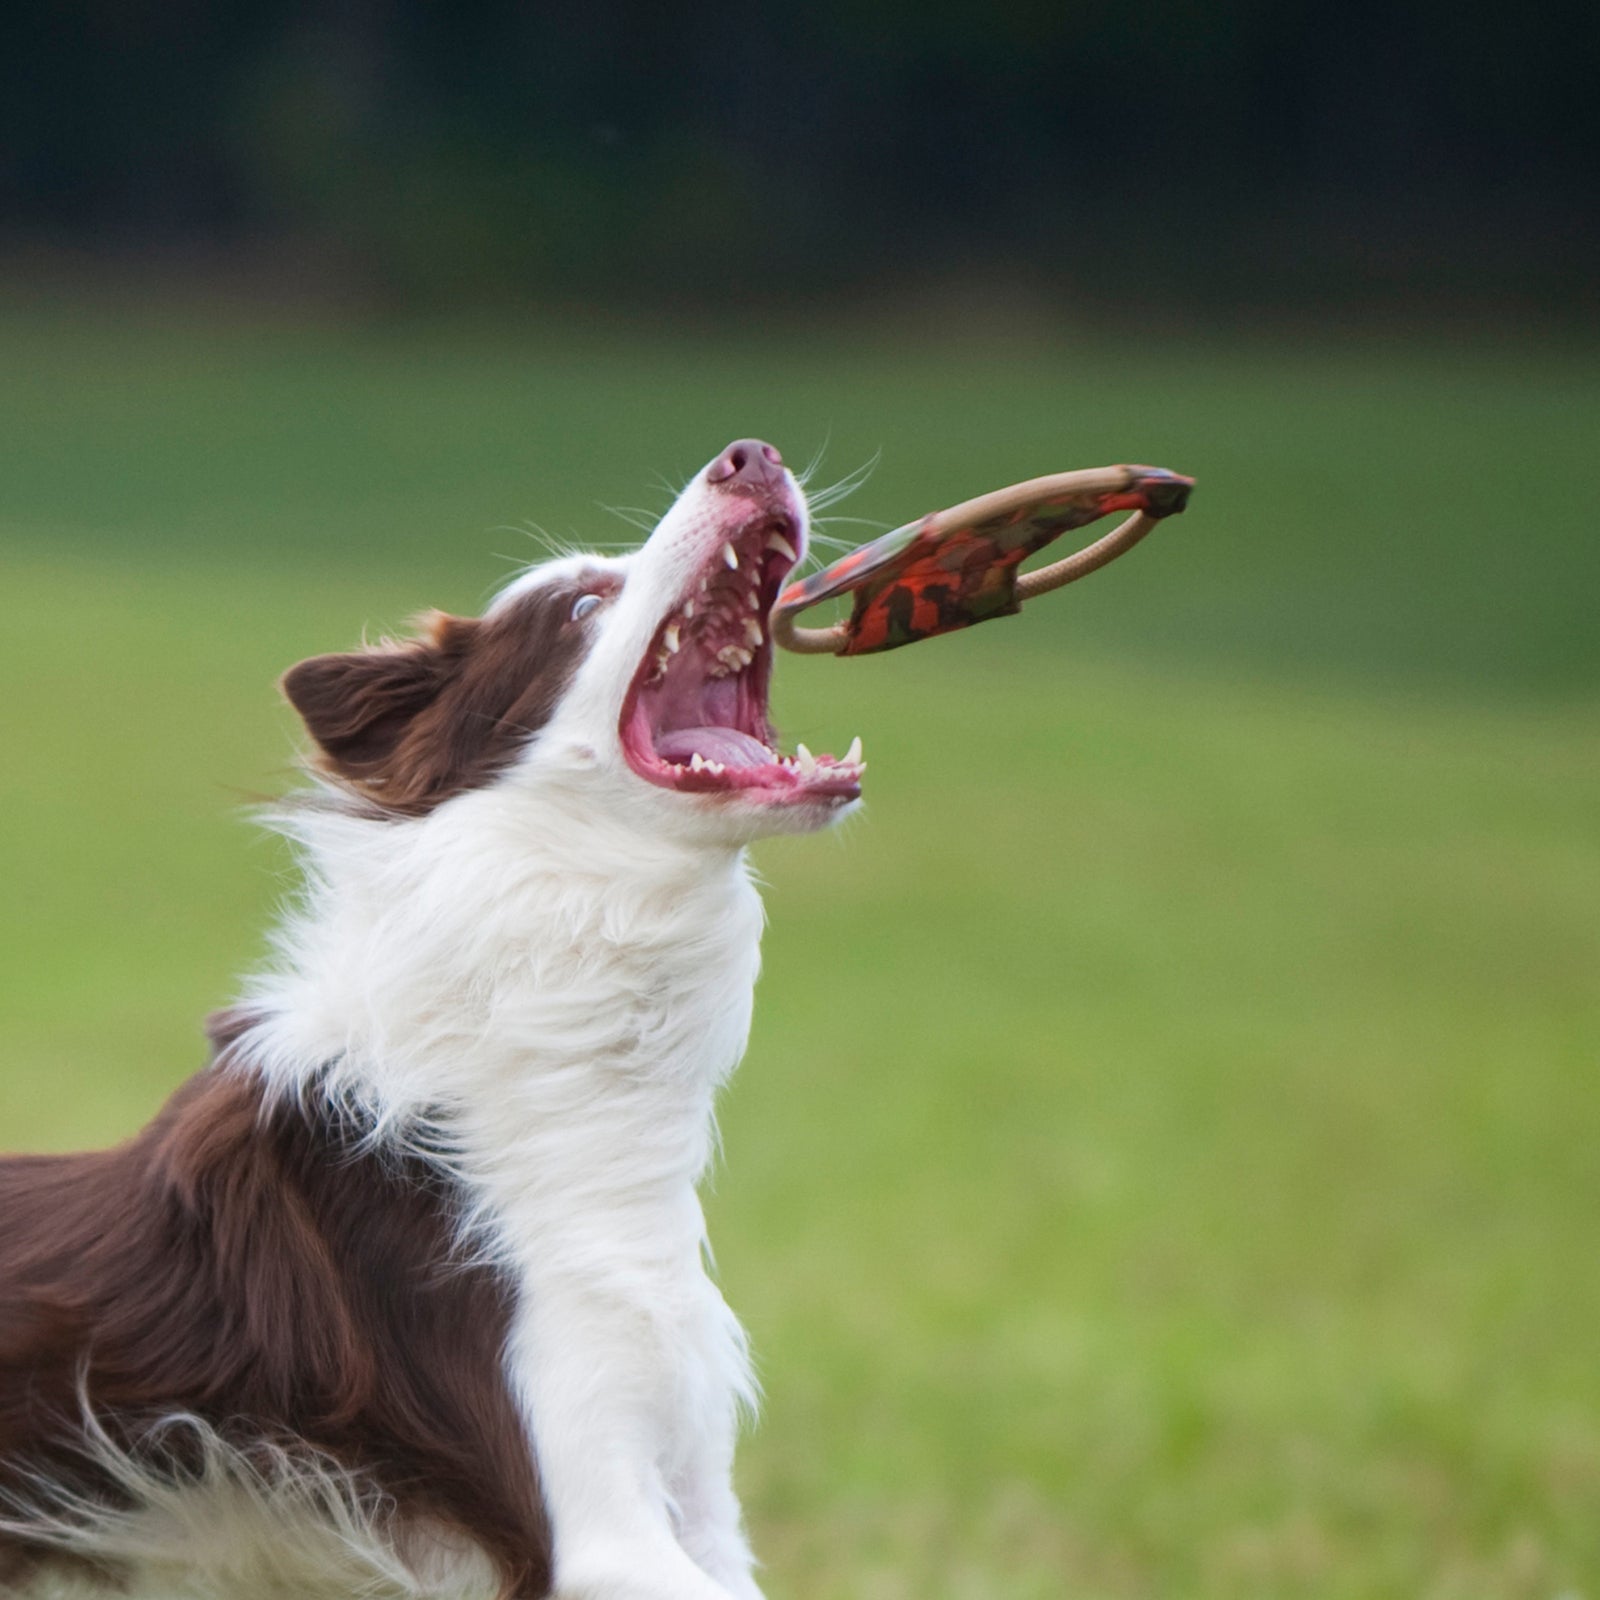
(359,706)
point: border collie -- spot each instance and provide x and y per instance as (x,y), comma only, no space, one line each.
(405,1293)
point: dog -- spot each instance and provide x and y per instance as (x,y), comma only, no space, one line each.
(405,1293)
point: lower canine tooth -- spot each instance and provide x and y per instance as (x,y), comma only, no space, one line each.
(696,761)
(731,557)
(752,630)
(670,638)
(776,541)
(853,754)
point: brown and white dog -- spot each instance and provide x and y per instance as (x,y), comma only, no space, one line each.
(404,1294)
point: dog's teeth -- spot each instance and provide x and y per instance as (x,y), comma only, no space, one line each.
(752,599)
(696,761)
(776,541)
(853,754)
(715,767)
(731,557)
(670,638)
(752,630)
(805,761)
(688,609)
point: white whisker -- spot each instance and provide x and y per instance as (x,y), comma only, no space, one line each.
(847,485)
(809,471)
(634,516)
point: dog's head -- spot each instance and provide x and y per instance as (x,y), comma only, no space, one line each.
(638,684)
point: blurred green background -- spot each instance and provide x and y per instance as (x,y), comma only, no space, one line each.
(1166,1163)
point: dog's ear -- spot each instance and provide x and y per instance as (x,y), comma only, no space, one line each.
(360,706)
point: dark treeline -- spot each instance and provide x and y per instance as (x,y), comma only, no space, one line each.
(1244,149)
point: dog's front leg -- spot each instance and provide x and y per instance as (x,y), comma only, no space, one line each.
(710,1524)
(593,1384)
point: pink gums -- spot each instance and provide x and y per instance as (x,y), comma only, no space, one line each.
(695,716)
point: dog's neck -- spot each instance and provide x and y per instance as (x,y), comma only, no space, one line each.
(512,970)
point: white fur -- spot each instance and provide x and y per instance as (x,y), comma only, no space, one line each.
(220,1529)
(554,974)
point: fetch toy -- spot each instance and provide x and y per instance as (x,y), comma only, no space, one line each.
(954,568)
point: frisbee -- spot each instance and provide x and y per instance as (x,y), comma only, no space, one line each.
(955,568)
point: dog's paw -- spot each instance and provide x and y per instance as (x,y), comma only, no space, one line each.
(603,1577)
(619,1585)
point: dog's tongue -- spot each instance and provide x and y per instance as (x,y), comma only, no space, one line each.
(727,745)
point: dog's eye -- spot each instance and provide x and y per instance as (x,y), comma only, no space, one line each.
(584,604)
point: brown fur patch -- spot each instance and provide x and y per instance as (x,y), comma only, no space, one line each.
(409,725)
(262,1267)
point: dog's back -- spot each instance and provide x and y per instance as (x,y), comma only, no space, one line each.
(250,1313)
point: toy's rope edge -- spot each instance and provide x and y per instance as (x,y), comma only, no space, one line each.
(1089,559)
(1031,491)
(787,635)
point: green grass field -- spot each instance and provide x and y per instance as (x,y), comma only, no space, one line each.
(1168,1160)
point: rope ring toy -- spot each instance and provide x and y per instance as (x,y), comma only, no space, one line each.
(958,567)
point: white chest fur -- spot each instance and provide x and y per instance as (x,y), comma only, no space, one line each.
(562,1005)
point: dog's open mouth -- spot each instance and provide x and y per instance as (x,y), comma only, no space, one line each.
(695,716)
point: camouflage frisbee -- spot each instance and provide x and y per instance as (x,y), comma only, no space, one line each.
(958,567)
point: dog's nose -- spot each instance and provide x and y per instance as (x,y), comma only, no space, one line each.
(751,461)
